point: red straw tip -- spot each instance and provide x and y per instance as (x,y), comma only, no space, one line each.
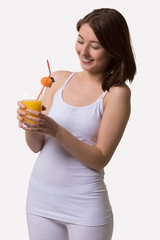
(49,68)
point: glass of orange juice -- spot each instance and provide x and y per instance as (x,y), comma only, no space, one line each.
(30,102)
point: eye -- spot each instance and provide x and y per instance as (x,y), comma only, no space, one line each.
(79,41)
(95,47)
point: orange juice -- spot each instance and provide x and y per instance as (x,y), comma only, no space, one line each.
(32,104)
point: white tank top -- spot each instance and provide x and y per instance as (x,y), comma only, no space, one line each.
(61,187)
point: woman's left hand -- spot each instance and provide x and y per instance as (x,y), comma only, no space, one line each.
(44,124)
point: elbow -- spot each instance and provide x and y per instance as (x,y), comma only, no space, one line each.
(103,165)
(101,161)
(35,150)
(35,144)
(98,169)
(35,141)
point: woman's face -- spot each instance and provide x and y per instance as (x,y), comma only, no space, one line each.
(93,57)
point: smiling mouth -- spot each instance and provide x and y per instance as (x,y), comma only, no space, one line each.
(85,60)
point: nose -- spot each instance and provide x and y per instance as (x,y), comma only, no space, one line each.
(85,50)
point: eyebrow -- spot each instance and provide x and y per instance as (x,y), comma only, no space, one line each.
(90,41)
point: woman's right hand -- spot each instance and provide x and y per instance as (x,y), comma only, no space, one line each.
(20,113)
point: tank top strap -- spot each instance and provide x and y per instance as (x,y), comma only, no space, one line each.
(100,100)
(102,96)
(68,80)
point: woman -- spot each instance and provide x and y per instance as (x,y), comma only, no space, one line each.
(84,119)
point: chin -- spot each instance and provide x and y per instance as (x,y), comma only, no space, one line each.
(85,67)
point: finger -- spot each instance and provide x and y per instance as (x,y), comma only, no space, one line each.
(21,112)
(24,126)
(21,105)
(19,118)
(21,125)
(34,119)
(31,127)
(36,113)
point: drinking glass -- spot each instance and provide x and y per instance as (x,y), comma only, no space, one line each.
(30,101)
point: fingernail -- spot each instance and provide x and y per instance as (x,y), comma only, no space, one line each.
(22,105)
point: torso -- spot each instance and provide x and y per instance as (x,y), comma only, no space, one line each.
(61,187)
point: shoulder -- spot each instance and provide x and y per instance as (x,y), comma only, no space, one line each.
(61,73)
(118,94)
(61,76)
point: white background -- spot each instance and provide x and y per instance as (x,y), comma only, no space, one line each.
(33,31)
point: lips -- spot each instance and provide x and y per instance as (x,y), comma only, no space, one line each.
(86,61)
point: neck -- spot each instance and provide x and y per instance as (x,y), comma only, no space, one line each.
(93,77)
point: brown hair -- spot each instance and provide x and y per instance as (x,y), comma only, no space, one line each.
(112,31)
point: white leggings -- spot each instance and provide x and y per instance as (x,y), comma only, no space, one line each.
(41,228)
